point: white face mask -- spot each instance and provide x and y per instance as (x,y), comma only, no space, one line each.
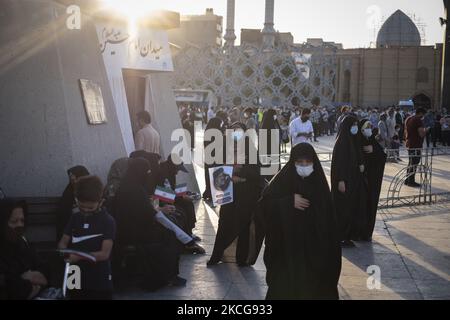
(304,172)
(354,130)
(367,132)
(274,117)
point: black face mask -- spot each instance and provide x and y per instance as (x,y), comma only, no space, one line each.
(89,213)
(304,119)
(14,234)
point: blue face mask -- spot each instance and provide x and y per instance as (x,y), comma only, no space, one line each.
(354,130)
(238,135)
(304,171)
(367,132)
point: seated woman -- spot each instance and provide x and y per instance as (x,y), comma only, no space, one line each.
(167,177)
(296,216)
(235,218)
(67,202)
(23,274)
(137,225)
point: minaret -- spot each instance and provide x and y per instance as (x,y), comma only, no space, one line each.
(268,31)
(230,36)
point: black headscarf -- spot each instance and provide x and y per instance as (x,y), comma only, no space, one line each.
(138,171)
(268,121)
(78,171)
(284,182)
(116,174)
(167,170)
(132,208)
(270,124)
(347,150)
(214,123)
(152,158)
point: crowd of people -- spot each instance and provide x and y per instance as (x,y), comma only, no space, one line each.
(104,221)
(302,220)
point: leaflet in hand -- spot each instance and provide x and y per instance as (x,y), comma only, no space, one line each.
(80,254)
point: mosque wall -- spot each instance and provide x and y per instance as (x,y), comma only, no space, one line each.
(384,76)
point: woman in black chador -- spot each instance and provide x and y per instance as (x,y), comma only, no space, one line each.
(217,124)
(296,217)
(375,161)
(235,218)
(272,127)
(157,247)
(348,183)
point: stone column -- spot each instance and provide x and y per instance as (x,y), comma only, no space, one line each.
(230,36)
(268,31)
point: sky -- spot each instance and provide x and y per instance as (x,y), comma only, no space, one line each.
(350,22)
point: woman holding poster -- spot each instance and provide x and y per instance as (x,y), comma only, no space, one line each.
(235,217)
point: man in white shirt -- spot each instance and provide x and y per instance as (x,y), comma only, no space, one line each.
(391,123)
(147,138)
(301,128)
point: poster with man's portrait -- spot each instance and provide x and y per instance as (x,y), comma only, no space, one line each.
(221,185)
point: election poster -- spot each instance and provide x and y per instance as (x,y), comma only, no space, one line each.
(221,185)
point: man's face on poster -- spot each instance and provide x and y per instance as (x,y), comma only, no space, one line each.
(222,181)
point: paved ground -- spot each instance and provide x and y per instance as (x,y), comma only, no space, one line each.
(411,248)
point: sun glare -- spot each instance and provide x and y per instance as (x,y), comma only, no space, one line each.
(132,9)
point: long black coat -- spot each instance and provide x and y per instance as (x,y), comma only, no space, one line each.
(235,218)
(375,163)
(345,166)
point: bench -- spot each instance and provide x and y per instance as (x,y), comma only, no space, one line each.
(41,221)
